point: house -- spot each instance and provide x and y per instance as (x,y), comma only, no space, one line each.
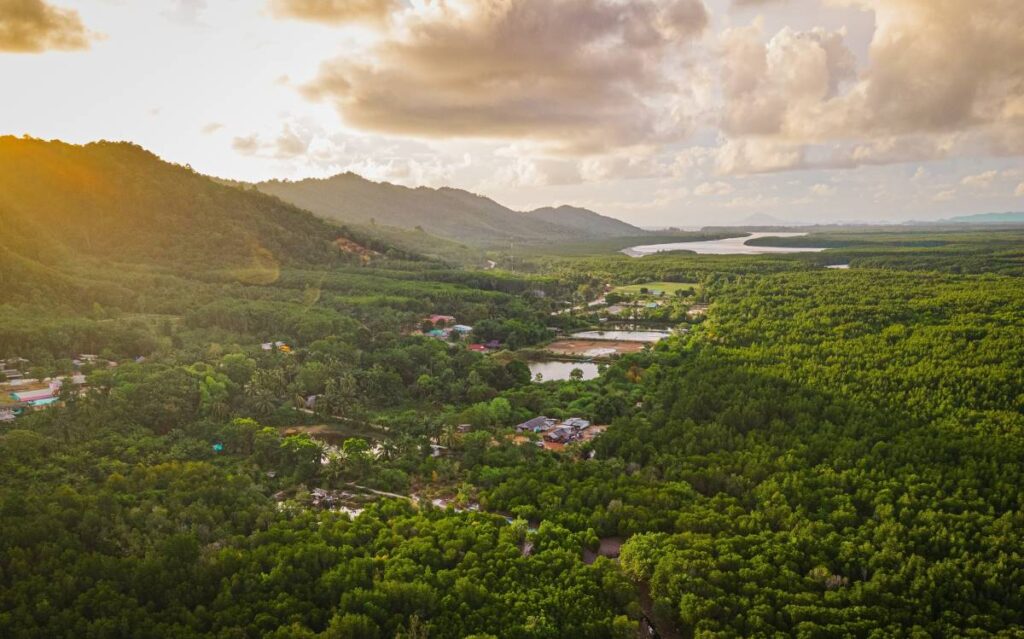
(561,435)
(478,348)
(443,320)
(493,344)
(535,425)
(321,498)
(462,328)
(6,413)
(437,332)
(464,428)
(35,397)
(576,424)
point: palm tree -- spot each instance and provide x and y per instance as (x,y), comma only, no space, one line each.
(388,450)
(263,403)
(449,436)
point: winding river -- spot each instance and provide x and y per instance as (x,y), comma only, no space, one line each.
(728,246)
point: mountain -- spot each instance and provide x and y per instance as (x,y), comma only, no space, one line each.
(120,203)
(764,219)
(585,221)
(449,213)
(988,218)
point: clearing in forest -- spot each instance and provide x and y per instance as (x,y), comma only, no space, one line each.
(656,288)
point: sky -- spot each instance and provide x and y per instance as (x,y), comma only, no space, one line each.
(660,112)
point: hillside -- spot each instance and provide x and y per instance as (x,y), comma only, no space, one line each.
(448,213)
(120,203)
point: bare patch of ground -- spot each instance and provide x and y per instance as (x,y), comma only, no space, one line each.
(593,347)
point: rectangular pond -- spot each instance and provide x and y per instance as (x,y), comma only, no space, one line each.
(623,336)
(560,371)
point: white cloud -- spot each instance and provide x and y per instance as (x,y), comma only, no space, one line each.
(712,188)
(981,180)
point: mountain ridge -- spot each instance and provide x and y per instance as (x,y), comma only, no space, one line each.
(447,212)
(1007,217)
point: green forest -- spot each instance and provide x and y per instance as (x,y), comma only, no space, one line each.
(267,444)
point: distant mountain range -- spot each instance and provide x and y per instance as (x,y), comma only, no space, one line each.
(988,218)
(448,213)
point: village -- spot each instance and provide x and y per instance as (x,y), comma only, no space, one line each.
(21,394)
(626,319)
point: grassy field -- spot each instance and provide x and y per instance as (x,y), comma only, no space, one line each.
(656,288)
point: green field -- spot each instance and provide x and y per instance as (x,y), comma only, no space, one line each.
(656,288)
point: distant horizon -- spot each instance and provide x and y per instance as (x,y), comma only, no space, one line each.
(656,112)
(747,222)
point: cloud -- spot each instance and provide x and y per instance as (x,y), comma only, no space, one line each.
(579,76)
(941,65)
(246,144)
(981,180)
(303,148)
(823,190)
(943,77)
(764,84)
(1020,190)
(335,11)
(291,142)
(944,196)
(757,155)
(712,188)
(33,26)
(211,127)
(186,11)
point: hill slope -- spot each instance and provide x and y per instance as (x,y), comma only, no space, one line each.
(120,203)
(449,213)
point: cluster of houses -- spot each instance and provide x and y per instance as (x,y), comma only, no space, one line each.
(20,394)
(443,326)
(552,431)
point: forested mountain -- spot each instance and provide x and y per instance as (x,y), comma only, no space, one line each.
(121,203)
(585,221)
(448,213)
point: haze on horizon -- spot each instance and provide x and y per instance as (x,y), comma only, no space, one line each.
(660,112)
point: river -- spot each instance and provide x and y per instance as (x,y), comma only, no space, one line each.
(728,246)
